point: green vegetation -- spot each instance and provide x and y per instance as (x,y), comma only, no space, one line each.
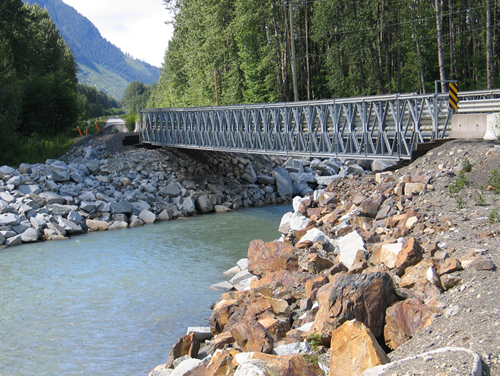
(240,51)
(461,202)
(493,217)
(459,183)
(494,181)
(466,165)
(480,200)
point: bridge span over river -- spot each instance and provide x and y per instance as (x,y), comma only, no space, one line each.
(383,126)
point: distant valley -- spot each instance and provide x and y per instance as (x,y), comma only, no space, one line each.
(101,64)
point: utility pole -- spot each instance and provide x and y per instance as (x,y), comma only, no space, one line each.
(294,62)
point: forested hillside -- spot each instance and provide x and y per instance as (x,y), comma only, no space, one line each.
(242,51)
(38,85)
(101,64)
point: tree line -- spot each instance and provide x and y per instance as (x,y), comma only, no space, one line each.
(253,51)
(41,101)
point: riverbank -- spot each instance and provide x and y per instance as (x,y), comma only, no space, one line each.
(376,268)
(101,184)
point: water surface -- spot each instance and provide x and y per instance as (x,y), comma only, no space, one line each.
(115,302)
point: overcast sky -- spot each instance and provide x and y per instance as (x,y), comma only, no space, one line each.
(135,26)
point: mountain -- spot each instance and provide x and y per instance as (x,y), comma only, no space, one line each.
(101,64)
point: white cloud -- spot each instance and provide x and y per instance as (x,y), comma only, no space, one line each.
(136,27)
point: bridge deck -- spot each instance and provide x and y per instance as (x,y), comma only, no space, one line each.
(385,127)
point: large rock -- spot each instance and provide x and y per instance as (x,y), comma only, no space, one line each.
(27,189)
(271,257)
(351,249)
(300,364)
(354,349)
(121,207)
(147,216)
(363,297)
(299,222)
(403,320)
(221,364)
(96,225)
(9,219)
(30,235)
(204,205)
(187,345)
(249,175)
(13,241)
(6,172)
(252,336)
(172,189)
(284,184)
(188,206)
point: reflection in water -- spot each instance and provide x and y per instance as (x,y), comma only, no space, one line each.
(116,302)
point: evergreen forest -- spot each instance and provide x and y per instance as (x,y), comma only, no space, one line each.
(41,101)
(254,51)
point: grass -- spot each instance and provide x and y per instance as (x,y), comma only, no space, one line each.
(493,217)
(37,149)
(494,181)
(459,183)
(461,202)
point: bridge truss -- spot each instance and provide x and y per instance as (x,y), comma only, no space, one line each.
(385,127)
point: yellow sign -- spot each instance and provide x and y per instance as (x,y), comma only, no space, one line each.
(453,92)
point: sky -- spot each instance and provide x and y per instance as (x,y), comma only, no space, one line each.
(135,26)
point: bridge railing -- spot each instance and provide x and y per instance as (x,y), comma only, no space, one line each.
(386,126)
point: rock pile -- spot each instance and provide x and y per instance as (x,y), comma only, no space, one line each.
(358,270)
(91,189)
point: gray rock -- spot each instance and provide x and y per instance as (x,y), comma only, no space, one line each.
(15,180)
(8,233)
(13,241)
(221,209)
(355,169)
(90,153)
(249,175)
(292,349)
(222,286)
(364,163)
(242,280)
(202,333)
(294,165)
(381,165)
(5,207)
(326,180)
(266,179)
(52,198)
(251,368)
(28,189)
(25,168)
(121,207)
(165,215)
(299,187)
(136,222)
(69,226)
(172,190)
(6,172)
(22,227)
(243,263)
(9,219)
(147,216)
(87,206)
(30,235)
(188,206)
(204,205)
(87,196)
(92,166)
(2,239)
(298,222)
(283,182)
(118,225)
(189,184)
(57,209)
(7,197)
(59,175)
(75,217)
(186,366)
(302,177)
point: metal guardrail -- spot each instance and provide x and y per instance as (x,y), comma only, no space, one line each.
(384,126)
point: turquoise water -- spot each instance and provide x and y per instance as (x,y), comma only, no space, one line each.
(116,302)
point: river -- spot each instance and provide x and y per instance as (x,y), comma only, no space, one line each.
(115,302)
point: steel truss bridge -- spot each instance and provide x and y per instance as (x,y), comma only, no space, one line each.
(383,126)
